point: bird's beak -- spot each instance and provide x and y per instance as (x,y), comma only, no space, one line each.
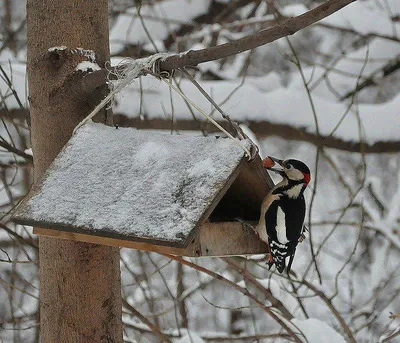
(276,160)
(279,162)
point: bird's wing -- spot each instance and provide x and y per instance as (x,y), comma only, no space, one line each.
(295,211)
(284,224)
(271,220)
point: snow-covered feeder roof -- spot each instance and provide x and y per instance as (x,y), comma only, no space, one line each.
(143,186)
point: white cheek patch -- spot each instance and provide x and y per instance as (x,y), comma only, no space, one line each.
(294,174)
(295,191)
(281,226)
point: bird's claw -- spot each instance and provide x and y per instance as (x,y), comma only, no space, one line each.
(270,264)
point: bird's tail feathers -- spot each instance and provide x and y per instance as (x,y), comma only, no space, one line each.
(280,264)
(290,264)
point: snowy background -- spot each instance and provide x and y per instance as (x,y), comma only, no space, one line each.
(328,95)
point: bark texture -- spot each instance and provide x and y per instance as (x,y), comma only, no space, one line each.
(80,294)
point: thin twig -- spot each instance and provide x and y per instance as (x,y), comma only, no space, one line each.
(286,28)
(15,151)
(153,327)
(268,295)
(234,126)
(242,290)
(195,57)
(336,313)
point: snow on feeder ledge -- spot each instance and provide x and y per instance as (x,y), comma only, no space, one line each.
(167,193)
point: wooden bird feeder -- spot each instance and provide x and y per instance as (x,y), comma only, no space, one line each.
(174,194)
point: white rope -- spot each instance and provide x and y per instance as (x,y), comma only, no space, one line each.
(128,72)
(150,65)
(237,128)
(176,89)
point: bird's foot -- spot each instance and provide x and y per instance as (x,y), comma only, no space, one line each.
(270,262)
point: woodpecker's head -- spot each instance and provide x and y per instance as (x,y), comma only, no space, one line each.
(292,170)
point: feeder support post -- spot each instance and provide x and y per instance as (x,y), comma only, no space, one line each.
(80,286)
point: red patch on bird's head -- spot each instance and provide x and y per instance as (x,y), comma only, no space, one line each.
(307,178)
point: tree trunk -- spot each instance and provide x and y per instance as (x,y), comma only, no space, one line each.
(80,286)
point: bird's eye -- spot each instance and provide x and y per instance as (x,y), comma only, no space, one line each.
(288,166)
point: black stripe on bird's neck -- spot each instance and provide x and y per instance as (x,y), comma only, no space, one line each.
(290,185)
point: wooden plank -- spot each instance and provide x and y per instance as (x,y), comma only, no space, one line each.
(254,181)
(241,195)
(214,203)
(216,239)
(190,250)
(257,169)
(24,216)
(21,217)
(229,239)
(90,232)
(244,198)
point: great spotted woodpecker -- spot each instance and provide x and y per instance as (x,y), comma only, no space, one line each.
(283,211)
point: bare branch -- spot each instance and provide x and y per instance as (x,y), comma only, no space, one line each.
(153,327)
(242,290)
(28,241)
(215,337)
(15,151)
(333,309)
(390,337)
(268,294)
(286,28)
(365,36)
(194,57)
(267,128)
(373,80)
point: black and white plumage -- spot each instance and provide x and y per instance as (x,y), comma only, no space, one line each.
(283,211)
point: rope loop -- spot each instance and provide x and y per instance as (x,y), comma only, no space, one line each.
(237,141)
(129,70)
(254,150)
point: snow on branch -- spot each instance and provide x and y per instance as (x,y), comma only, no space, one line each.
(194,57)
(163,64)
(286,28)
(266,128)
(376,77)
